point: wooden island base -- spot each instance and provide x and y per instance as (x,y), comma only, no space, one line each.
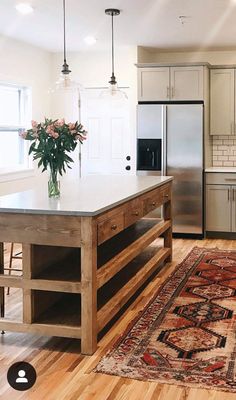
(79,271)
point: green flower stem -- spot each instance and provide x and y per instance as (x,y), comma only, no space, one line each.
(53,184)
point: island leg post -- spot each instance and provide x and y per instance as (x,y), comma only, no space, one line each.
(88,286)
(167,214)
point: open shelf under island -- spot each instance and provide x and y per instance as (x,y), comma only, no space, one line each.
(85,254)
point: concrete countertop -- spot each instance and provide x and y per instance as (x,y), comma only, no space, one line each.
(88,196)
(221,169)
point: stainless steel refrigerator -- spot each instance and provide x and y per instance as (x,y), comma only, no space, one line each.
(180,128)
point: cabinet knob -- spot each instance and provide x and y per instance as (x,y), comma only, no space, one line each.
(128,158)
(128,167)
(135,213)
(114,227)
(154,203)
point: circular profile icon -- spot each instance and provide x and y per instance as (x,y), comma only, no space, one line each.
(21,376)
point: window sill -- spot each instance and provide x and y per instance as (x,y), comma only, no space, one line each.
(13,175)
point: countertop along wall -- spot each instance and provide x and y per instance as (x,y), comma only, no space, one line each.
(223,147)
(31,66)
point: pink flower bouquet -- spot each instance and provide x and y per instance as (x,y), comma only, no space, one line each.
(51,143)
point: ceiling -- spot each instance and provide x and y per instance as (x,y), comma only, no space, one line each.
(150,23)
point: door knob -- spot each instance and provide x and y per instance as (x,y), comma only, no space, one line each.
(128,167)
(128,158)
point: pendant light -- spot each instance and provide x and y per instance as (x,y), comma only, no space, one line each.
(113,89)
(65,93)
(64,82)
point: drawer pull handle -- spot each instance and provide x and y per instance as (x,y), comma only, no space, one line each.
(166,195)
(154,203)
(135,213)
(114,227)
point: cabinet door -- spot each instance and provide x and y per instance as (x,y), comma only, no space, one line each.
(218,208)
(233,208)
(153,84)
(222,102)
(186,83)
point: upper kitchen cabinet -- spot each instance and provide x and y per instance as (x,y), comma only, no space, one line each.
(222,101)
(186,83)
(170,83)
(153,84)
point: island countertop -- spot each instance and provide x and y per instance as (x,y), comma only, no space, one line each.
(89,196)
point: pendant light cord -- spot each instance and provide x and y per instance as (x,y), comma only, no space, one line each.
(64,27)
(112,41)
(65,66)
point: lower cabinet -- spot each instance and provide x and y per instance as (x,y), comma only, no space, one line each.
(220,209)
(219,205)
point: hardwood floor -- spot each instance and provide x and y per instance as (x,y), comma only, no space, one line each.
(64,374)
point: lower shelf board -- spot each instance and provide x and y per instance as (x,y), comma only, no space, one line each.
(41,329)
(62,316)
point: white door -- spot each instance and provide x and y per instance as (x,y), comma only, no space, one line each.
(222,102)
(109,148)
(186,83)
(153,84)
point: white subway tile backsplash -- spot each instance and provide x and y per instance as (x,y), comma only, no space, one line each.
(223,148)
(224,151)
(228,142)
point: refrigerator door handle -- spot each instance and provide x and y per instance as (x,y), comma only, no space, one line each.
(164,140)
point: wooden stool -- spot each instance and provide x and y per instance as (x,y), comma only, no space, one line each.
(17,256)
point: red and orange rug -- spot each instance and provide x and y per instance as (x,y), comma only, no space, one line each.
(186,335)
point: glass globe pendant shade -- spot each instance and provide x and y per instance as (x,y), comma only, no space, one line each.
(113,92)
(64,82)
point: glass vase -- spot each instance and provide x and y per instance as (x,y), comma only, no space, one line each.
(53,184)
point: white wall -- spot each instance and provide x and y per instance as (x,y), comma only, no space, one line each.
(31,66)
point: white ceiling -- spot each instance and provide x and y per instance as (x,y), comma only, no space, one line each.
(151,23)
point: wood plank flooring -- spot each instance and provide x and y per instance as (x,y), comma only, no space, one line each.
(64,374)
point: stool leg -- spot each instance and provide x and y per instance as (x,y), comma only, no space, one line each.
(10,264)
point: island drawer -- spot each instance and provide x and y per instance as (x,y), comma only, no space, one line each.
(133,212)
(156,198)
(151,201)
(165,193)
(110,226)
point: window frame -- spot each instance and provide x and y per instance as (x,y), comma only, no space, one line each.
(25,167)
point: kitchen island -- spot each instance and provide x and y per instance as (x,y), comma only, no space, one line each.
(80,252)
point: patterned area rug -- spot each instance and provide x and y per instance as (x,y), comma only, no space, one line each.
(186,335)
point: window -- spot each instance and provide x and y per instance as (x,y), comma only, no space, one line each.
(14,117)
